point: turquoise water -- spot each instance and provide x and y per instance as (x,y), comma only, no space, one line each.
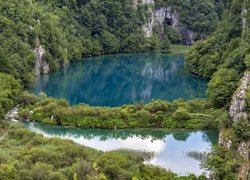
(171,148)
(123,79)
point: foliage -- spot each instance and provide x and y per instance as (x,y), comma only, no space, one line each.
(9,90)
(181,114)
(223,163)
(224,57)
(197,15)
(27,155)
(221,57)
(242,130)
(158,113)
(70,30)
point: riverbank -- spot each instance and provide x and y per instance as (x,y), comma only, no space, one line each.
(27,155)
(161,143)
(193,114)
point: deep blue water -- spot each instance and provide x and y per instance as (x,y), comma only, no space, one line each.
(123,79)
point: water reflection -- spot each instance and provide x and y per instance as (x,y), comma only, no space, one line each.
(171,147)
(122,79)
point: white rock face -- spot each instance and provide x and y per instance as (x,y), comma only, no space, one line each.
(156,20)
(166,15)
(238,111)
(148,2)
(243,150)
(224,142)
(12,114)
(238,105)
(41,65)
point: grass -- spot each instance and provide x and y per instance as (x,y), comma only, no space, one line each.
(179,49)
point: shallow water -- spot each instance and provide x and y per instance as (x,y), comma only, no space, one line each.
(123,79)
(171,147)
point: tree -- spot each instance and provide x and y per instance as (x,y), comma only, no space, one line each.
(110,44)
(222,86)
(181,114)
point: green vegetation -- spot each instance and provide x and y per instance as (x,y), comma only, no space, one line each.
(221,57)
(193,114)
(70,30)
(9,90)
(26,155)
(198,15)
(179,49)
(224,57)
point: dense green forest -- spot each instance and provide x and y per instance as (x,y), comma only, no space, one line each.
(223,58)
(198,15)
(70,30)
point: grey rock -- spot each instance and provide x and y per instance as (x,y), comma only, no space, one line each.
(167,16)
(41,66)
(238,107)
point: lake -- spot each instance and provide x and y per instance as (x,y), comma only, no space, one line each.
(116,80)
(173,149)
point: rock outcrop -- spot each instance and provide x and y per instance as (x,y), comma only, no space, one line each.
(243,150)
(167,16)
(12,114)
(237,112)
(41,66)
(238,107)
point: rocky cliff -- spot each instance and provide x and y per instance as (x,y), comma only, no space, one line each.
(41,66)
(238,107)
(166,16)
(237,112)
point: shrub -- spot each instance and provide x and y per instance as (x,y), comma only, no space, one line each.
(181,114)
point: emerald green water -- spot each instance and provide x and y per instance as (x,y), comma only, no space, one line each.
(171,148)
(123,79)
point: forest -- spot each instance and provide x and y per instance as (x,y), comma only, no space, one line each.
(71,30)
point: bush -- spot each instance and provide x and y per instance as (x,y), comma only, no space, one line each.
(181,114)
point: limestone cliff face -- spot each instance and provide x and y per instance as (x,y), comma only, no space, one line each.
(243,149)
(166,16)
(238,111)
(238,107)
(41,66)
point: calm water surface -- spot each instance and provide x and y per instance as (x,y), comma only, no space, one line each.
(171,147)
(122,79)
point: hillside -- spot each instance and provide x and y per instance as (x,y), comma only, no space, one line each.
(40,36)
(224,58)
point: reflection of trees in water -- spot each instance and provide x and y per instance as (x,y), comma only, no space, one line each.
(122,79)
(181,135)
(105,134)
(210,136)
(199,156)
(102,134)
